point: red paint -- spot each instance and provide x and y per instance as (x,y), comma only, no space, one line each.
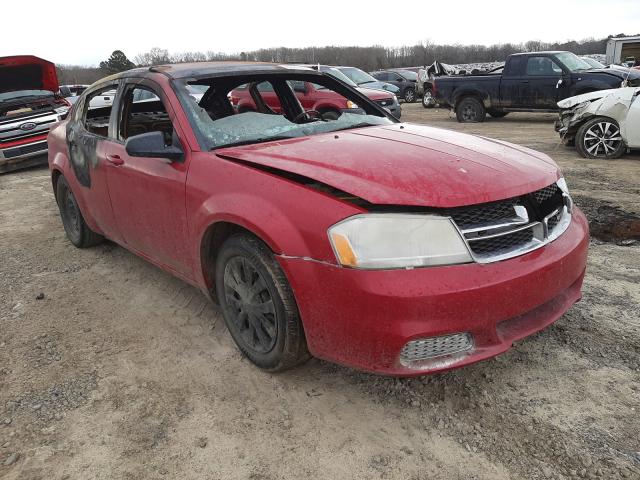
(161,211)
(48,79)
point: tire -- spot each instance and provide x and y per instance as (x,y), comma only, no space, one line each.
(470,110)
(600,137)
(258,305)
(427,99)
(497,113)
(409,95)
(77,230)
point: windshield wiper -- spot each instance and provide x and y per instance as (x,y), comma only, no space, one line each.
(252,141)
(355,125)
(368,81)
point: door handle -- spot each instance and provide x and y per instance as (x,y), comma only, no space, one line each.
(115,160)
(524,81)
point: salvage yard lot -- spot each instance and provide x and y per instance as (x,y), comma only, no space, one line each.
(122,371)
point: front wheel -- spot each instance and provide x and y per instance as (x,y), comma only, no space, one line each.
(427,99)
(410,95)
(258,305)
(470,110)
(600,138)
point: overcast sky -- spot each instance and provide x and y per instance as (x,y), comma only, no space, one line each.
(87,32)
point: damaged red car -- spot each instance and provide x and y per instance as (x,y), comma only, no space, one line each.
(392,248)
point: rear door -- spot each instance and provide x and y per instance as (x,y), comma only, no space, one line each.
(89,134)
(148,194)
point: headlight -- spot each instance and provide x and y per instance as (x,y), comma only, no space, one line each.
(61,110)
(350,104)
(375,241)
(562,185)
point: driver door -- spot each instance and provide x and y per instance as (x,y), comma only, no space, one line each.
(148,194)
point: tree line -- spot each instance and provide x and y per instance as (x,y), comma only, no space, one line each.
(370,58)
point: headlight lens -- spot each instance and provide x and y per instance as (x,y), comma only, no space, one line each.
(350,104)
(562,184)
(377,241)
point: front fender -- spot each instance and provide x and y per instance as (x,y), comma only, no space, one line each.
(290,217)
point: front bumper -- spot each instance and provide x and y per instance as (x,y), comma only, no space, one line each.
(23,155)
(364,318)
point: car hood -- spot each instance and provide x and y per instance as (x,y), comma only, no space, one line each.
(26,72)
(622,93)
(374,94)
(387,87)
(405,164)
(621,74)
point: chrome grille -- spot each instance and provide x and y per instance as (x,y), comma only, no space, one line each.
(433,347)
(500,230)
(502,243)
(10,129)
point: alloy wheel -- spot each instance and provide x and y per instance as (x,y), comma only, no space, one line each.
(602,139)
(409,96)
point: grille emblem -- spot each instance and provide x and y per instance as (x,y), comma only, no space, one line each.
(28,126)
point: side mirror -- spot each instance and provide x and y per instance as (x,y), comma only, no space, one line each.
(65,91)
(152,145)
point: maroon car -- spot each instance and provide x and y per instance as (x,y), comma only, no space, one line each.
(393,248)
(317,98)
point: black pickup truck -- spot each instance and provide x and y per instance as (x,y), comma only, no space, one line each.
(529,82)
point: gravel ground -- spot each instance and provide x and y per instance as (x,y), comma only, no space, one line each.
(110,368)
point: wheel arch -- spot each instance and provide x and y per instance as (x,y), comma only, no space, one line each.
(460,95)
(214,237)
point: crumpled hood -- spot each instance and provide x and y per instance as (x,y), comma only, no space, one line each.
(405,164)
(26,72)
(621,93)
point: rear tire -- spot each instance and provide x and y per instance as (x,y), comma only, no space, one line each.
(258,305)
(600,137)
(77,230)
(470,110)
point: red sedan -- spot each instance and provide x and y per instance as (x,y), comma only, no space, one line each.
(389,247)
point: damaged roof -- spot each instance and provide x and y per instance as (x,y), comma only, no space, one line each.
(214,69)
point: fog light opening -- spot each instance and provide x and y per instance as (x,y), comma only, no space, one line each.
(436,352)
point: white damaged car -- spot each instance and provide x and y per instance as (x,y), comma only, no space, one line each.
(602,124)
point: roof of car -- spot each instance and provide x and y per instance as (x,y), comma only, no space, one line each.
(197,69)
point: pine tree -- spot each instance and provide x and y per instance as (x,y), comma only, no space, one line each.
(117,62)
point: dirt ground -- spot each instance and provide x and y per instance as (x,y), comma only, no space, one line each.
(122,372)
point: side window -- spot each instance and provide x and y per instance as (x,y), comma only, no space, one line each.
(143,112)
(395,77)
(383,76)
(97,111)
(542,66)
